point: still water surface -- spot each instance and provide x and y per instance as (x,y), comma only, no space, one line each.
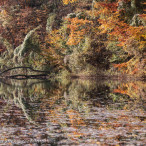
(77,112)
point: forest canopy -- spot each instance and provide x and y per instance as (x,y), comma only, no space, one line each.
(77,37)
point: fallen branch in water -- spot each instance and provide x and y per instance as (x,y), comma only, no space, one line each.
(23,67)
(23,76)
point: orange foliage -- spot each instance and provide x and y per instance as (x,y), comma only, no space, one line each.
(66,2)
(55,40)
(122,66)
(120,91)
(78,29)
(111,22)
(134,71)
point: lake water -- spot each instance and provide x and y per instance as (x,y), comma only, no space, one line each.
(76,112)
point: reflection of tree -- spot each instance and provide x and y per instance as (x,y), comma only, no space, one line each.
(75,104)
(23,94)
(80,99)
(79,111)
(133,92)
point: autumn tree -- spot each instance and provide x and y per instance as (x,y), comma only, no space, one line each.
(129,37)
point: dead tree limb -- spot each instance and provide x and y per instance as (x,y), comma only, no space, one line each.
(22,76)
(43,74)
(23,67)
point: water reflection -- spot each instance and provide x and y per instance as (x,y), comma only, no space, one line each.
(77,112)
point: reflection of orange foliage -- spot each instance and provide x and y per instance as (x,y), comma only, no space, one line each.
(75,118)
(76,121)
(56,95)
(134,71)
(134,86)
(54,114)
(131,89)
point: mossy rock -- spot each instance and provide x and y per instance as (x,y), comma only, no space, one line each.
(27,46)
(50,22)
